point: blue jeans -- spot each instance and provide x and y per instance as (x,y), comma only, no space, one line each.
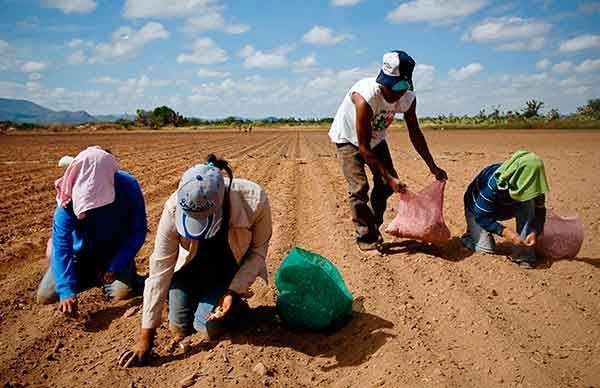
(478,239)
(197,288)
(127,283)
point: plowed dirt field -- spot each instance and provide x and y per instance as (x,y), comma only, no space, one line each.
(424,317)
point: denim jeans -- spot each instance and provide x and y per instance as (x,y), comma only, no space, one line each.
(478,239)
(127,283)
(367,220)
(197,288)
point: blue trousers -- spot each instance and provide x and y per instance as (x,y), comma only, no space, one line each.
(197,288)
(127,283)
(478,239)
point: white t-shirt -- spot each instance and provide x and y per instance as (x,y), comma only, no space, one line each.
(343,128)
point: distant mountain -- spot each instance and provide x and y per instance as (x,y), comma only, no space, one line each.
(23,111)
(110,118)
(270,119)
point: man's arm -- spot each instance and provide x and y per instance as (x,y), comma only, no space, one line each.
(364,115)
(419,142)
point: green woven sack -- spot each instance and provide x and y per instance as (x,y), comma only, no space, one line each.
(312,293)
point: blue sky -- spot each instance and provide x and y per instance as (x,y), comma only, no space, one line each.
(213,58)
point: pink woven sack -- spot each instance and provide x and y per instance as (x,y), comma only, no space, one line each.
(562,237)
(421,216)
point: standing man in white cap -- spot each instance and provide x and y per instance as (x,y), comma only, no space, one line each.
(211,245)
(359,132)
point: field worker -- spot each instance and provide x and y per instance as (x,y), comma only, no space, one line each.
(514,188)
(211,245)
(359,132)
(99,225)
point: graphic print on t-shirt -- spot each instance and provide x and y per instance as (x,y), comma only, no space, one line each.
(380,123)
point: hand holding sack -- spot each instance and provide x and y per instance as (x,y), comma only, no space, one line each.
(421,216)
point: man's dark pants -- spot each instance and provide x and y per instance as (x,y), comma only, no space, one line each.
(367,219)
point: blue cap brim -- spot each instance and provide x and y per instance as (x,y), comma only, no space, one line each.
(387,80)
(397,84)
(198,228)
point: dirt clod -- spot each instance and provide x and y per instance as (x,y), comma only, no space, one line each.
(260,369)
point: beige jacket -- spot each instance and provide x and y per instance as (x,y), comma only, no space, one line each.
(249,234)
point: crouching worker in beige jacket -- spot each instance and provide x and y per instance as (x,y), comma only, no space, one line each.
(211,245)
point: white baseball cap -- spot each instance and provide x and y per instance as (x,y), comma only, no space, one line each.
(396,71)
(200,197)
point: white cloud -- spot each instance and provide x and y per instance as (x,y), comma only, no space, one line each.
(424,77)
(323,36)
(331,82)
(77,43)
(582,42)
(92,101)
(246,51)
(145,81)
(166,8)
(517,33)
(33,86)
(107,80)
(204,52)
(71,6)
(207,73)
(131,86)
(265,60)
(213,21)
(578,91)
(236,29)
(308,61)
(344,3)
(435,11)
(33,67)
(588,66)
(562,67)
(126,43)
(74,43)
(310,94)
(76,58)
(528,81)
(533,44)
(542,64)
(570,82)
(240,89)
(465,72)
(35,76)
(4,46)
(507,28)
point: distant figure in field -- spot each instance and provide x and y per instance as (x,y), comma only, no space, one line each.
(98,227)
(515,188)
(211,245)
(359,132)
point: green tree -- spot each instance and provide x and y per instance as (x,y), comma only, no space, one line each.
(532,108)
(163,115)
(143,117)
(553,114)
(591,109)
